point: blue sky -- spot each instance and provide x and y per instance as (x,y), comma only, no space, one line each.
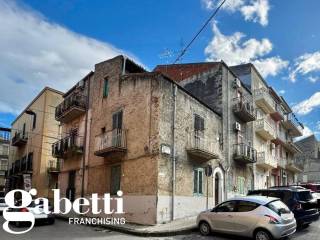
(63,39)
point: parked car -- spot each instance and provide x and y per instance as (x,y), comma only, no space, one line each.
(299,200)
(37,211)
(315,187)
(3,205)
(316,195)
(252,216)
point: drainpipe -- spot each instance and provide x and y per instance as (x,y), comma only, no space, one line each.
(124,65)
(228,140)
(85,142)
(174,150)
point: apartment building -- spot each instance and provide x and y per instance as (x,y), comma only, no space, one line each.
(216,85)
(274,130)
(33,132)
(309,158)
(70,150)
(4,155)
(150,138)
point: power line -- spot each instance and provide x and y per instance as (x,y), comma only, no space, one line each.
(198,33)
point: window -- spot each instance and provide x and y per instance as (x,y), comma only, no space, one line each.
(198,181)
(198,123)
(24,130)
(115,179)
(240,184)
(105,87)
(278,207)
(117,120)
(226,207)
(245,206)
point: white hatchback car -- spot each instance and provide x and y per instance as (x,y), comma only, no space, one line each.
(262,218)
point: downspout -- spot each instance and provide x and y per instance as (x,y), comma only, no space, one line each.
(85,142)
(228,140)
(174,150)
(124,65)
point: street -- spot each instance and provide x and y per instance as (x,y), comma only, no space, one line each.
(62,230)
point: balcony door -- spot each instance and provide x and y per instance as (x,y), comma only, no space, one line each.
(71,186)
(117,128)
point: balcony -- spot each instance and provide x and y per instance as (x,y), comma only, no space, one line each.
(3,167)
(243,109)
(244,153)
(72,107)
(54,166)
(292,147)
(264,129)
(291,123)
(201,148)
(111,142)
(281,138)
(19,139)
(278,115)
(266,161)
(294,166)
(282,162)
(68,146)
(26,164)
(264,101)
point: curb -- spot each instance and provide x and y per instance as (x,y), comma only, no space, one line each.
(142,233)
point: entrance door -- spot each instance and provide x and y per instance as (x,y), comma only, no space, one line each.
(71,186)
(216,190)
(115,179)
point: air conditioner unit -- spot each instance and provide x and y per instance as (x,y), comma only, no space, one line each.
(237,126)
(236,83)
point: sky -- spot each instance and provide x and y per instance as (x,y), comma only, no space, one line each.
(55,43)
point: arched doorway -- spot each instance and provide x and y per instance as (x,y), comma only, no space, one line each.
(218,188)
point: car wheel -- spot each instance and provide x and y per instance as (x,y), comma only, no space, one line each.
(262,235)
(204,228)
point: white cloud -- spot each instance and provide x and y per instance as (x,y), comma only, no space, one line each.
(270,66)
(36,53)
(313,79)
(307,63)
(252,10)
(306,132)
(234,50)
(257,11)
(307,105)
(282,91)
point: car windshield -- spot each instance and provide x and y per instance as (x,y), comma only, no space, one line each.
(278,207)
(304,195)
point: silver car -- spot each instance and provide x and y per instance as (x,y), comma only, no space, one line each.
(260,217)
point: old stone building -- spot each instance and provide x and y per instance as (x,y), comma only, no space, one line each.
(274,130)
(4,155)
(310,159)
(216,85)
(33,132)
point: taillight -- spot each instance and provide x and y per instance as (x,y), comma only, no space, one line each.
(297,206)
(272,219)
(24,210)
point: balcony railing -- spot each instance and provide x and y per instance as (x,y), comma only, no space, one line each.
(72,107)
(19,139)
(279,112)
(294,166)
(264,129)
(70,145)
(291,123)
(282,162)
(54,166)
(244,109)
(244,153)
(114,141)
(3,167)
(266,160)
(291,146)
(264,100)
(202,148)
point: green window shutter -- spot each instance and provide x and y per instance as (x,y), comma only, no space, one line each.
(200,181)
(105,87)
(195,181)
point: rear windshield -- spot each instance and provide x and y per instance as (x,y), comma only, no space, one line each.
(278,207)
(304,196)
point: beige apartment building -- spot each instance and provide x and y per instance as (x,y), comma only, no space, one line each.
(33,132)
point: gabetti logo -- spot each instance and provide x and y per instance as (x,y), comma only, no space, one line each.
(11,215)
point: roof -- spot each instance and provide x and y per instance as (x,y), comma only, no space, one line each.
(256,199)
(39,94)
(179,72)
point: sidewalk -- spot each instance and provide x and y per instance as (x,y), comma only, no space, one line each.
(176,227)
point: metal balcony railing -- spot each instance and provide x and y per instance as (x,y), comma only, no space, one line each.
(70,144)
(264,100)
(111,141)
(54,166)
(266,160)
(243,108)
(20,138)
(3,167)
(245,153)
(75,101)
(264,128)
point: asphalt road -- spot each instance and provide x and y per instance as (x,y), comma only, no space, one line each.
(62,230)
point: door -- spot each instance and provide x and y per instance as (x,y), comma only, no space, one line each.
(117,129)
(222,217)
(70,194)
(216,189)
(115,179)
